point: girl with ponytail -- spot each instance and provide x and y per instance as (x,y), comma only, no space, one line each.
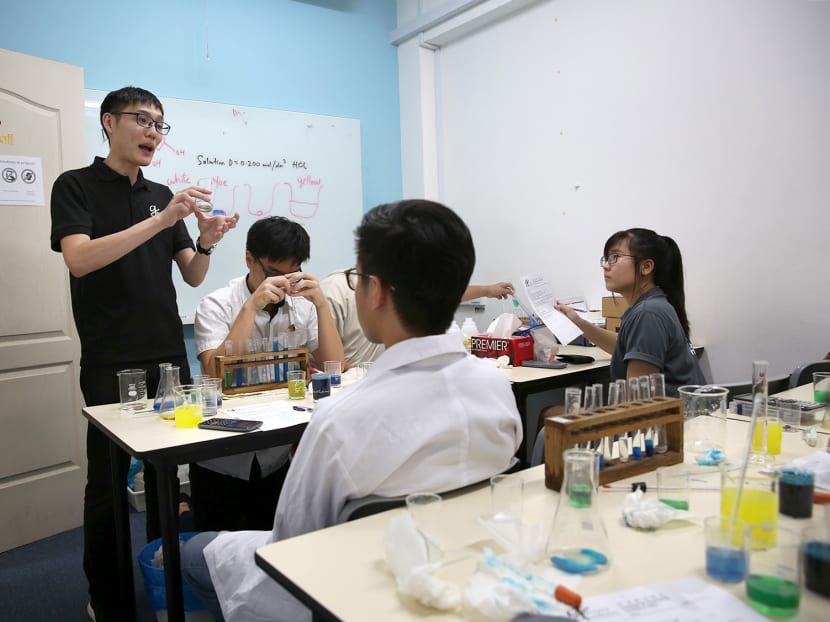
(647,270)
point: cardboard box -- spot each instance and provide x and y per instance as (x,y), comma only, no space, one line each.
(517,348)
(613,324)
(613,306)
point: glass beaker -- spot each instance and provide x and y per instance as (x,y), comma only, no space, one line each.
(166,402)
(578,542)
(190,405)
(704,417)
(758,503)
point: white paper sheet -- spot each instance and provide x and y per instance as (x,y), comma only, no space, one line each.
(21,180)
(274,415)
(540,294)
(683,600)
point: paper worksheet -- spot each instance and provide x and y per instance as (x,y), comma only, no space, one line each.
(540,294)
(683,600)
(274,415)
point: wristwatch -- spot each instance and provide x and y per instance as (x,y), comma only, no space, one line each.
(203,251)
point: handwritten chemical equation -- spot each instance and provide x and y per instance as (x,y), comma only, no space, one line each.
(202,160)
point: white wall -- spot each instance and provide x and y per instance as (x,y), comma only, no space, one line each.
(557,123)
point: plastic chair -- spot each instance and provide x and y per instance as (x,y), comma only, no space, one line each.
(538,455)
(368,505)
(373,504)
(803,374)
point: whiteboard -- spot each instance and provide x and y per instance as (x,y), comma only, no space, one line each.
(258,162)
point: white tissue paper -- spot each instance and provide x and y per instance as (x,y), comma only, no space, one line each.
(406,556)
(504,326)
(500,590)
(523,544)
(649,514)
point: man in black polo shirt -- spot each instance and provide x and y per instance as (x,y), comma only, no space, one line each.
(119,234)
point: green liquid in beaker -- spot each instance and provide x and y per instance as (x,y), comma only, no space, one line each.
(580,495)
(773,596)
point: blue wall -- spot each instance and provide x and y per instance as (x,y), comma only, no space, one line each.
(329,57)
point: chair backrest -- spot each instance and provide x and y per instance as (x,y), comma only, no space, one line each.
(538,455)
(366,506)
(373,504)
(803,374)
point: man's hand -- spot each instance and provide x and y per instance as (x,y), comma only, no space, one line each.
(183,204)
(498,290)
(306,285)
(213,228)
(272,290)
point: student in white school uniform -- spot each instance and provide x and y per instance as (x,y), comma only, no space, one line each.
(273,301)
(428,417)
(356,347)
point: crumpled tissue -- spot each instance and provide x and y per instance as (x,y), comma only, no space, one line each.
(406,555)
(504,326)
(501,589)
(524,544)
(648,514)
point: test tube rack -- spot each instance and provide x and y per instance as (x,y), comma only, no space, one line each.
(231,363)
(565,431)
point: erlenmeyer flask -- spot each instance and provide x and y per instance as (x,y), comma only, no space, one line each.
(161,385)
(167,403)
(578,542)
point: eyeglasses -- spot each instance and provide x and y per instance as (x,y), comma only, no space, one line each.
(269,273)
(351,277)
(145,120)
(612,258)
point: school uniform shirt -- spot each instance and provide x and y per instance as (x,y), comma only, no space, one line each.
(356,347)
(650,331)
(427,417)
(215,315)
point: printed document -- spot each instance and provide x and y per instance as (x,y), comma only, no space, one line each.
(541,297)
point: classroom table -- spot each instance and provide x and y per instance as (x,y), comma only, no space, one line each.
(164,446)
(340,572)
(526,381)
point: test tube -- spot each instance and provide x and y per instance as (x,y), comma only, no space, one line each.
(613,394)
(573,400)
(228,373)
(658,384)
(645,388)
(597,394)
(634,390)
(266,370)
(622,394)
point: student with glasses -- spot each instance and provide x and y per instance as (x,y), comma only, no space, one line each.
(120,235)
(339,288)
(427,417)
(273,301)
(646,269)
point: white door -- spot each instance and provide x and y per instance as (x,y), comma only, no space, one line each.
(42,443)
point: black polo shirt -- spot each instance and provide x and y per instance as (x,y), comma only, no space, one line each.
(126,311)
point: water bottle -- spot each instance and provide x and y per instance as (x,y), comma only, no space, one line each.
(469,330)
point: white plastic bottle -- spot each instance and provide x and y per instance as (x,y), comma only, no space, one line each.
(469,330)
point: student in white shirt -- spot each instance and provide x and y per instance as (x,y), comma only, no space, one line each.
(427,417)
(356,347)
(275,301)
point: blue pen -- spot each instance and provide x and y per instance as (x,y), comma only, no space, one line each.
(304,408)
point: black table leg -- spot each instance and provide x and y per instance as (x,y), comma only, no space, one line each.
(168,500)
(123,541)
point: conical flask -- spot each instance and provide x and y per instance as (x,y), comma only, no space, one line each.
(167,403)
(162,383)
(578,542)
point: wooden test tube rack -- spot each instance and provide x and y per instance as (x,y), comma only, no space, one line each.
(564,431)
(259,359)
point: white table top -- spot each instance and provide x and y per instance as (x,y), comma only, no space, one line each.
(528,374)
(147,433)
(343,567)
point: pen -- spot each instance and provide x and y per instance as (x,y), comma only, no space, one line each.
(304,408)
